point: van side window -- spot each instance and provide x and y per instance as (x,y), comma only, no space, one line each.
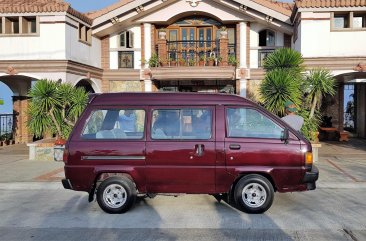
(186,124)
(245,122)
(115,124)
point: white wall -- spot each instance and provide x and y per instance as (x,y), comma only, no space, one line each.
(114,47)
(79,51)
(317,40)
(50,44)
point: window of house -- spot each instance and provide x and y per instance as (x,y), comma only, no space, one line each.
(266,38)
(245,122)
(126,39)
(24,25)
(341,21)
(182,124)
(359,21)
(29,25)
(85,34)
(115,124)
(125,59)
(11,25)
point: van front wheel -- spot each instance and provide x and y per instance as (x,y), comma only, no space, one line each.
(116,195)
(254,194)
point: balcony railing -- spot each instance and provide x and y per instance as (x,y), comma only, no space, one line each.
(192,51)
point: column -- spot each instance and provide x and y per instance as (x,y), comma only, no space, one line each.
(147,43)
(20,107)
(243,59)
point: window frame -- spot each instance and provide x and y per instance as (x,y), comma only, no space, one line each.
(267,31)
(128,35)
(182,108)
(350,18)
(92,111)
(24,29)
(85,34)
(250,137)
(132,61)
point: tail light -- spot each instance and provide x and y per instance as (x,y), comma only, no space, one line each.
(65,156)
(308,160)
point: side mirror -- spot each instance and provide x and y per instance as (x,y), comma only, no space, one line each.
(285,136)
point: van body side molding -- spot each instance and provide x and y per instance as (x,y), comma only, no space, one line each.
(113,158)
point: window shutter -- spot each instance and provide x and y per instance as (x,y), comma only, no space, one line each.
(122,39)
(130,39)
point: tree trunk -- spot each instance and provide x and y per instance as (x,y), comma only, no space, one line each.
(313,106)
(59,133)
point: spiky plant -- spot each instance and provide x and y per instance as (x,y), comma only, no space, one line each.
(284,58)
(55,107)
(319,82)
(277,88)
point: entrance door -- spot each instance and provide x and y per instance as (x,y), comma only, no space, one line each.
(180,150)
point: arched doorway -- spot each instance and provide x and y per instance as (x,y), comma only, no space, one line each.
(351,103)
(86,84)
(19,86)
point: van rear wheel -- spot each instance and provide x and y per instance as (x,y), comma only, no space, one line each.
(254,194)
(116,195)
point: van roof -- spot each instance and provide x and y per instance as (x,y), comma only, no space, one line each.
(167,98)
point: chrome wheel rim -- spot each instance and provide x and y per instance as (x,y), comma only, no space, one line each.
(115,196)
(254,195)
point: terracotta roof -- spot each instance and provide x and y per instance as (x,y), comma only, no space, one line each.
(40,6)
(329,3)
(282,7)
(98,13)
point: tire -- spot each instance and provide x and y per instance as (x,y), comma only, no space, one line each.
(116,195)
(254,194)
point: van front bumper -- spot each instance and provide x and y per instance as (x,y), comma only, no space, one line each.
(311,177)
(66,183)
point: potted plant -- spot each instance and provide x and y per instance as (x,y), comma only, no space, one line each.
(165,62)
(173,62)
(154,60)
(219,61)
(232,60)
(182,62)
(191,62)
(211,61)
(202,60)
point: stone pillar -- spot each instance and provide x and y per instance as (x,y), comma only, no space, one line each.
(147,42)
(148,85)
(105,53)
(162,49)
(20,108)
(243,45)
(224,50)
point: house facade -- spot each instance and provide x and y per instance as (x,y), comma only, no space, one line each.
(180,45)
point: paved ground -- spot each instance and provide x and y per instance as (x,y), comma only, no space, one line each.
(34,206)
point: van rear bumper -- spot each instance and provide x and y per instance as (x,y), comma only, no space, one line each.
(66,183)
(311,177)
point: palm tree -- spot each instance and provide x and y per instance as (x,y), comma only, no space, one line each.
(283,80)
(55,107)
(319,82)
(277,88)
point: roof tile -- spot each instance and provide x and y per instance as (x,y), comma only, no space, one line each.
(329,3)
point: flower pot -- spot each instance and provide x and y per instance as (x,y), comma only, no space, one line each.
(60,142)
(173,63)
(210,63)
(201,63)
(164,64)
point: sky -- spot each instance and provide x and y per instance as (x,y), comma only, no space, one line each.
(80,5)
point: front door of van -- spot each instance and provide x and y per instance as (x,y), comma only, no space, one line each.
(180,150)
(253,144)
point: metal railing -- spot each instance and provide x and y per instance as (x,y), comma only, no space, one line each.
(7,126)
(192,51)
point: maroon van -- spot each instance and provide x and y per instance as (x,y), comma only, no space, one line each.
(129,144)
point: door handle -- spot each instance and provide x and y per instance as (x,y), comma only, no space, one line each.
(199,149)
(234,147)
